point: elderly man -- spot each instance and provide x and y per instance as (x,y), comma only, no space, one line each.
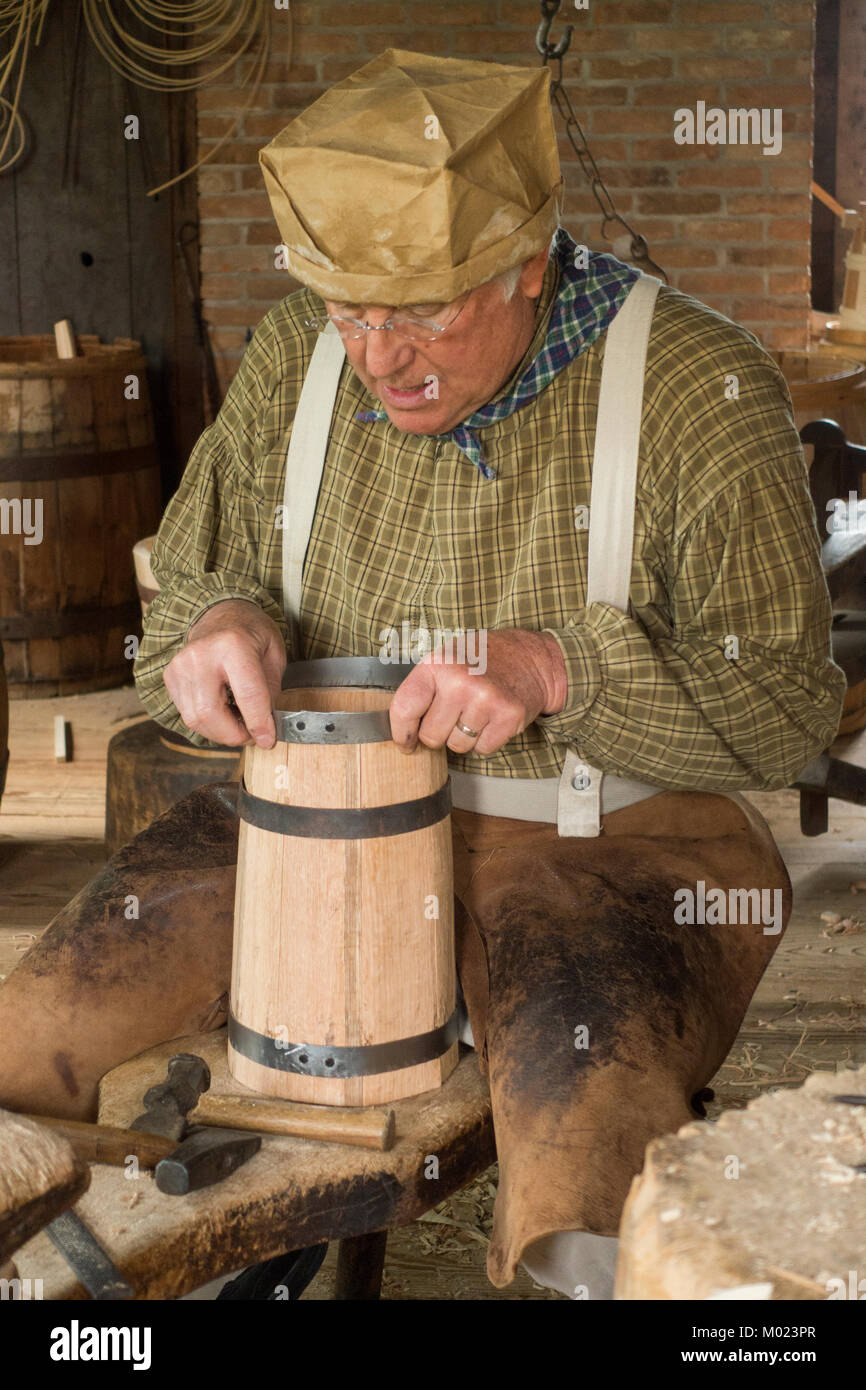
(490,431)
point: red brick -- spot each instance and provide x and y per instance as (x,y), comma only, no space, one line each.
(252,177)
(798,66)
(787,175)
(625,120)
(231,316)
(581,201)
(793,11)
(358,14)
(682,203)
(222,234)
(280,68)
(217,260)
(679,254)
(421,40)
(766,311)
(227,340)
(481,43)
(765,255)
(271,287)
(768,36)
(791,203)
(638,12)
(699,12)
(232,152)
(608,151)
(230,100)
(601,95)
(314,41)
(720,175)
(630,66)
(790,229)
(639,176)
(335,69)
(236,206)
(667,150)
(667,94)
(719,282)
(722,229)
(222,287)
(678,39)
(790,282)
(264,126)
(596,40)
(773,94)
(786,337)
(264,233)
(283,98)
(422,11)
(717,69)
(216,181)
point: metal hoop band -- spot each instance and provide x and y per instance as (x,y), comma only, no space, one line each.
(312,1060)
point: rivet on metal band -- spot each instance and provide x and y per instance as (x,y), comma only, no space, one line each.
(307,1059)
(353,823)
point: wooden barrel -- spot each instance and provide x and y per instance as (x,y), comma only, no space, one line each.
(343,973)
(825,387)
(79,472)
(146,773)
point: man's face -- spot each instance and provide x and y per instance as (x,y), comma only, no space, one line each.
(468,364)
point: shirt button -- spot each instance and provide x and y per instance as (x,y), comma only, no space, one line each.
(581,780)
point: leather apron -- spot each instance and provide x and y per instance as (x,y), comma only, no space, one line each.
(596,1017)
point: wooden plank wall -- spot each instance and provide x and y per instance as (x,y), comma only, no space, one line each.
(80,237)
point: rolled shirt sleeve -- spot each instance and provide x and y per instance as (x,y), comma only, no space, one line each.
(214,538)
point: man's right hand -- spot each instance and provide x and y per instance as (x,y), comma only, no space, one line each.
(233,646)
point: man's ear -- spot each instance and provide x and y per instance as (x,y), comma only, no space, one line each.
(532,275)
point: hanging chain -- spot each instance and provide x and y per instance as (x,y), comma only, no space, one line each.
(639,250)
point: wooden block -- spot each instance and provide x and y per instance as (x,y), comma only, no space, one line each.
(40,1177)
(768,1200)
(62,740)
(64,336)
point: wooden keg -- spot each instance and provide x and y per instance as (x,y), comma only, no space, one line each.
(343,974)
(827,387)
(146,773)
(81,456)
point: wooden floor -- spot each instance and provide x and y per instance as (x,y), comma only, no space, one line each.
(809,1013)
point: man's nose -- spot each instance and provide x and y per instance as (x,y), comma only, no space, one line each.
(386,352)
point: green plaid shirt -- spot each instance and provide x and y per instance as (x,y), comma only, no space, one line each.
(720,675)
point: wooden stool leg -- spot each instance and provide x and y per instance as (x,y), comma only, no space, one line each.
(360,1261)
(813,813)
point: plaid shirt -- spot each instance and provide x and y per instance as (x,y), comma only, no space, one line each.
(718,678)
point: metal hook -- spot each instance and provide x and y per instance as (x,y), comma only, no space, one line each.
(549,10)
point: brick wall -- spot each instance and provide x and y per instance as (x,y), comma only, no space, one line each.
(728,223)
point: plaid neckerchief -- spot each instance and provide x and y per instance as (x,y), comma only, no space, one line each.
(586,301)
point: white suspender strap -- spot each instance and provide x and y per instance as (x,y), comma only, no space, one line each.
(305,461)
(611,512)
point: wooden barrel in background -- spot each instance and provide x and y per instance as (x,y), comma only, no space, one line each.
(826,387)
(343,973)
(70,439)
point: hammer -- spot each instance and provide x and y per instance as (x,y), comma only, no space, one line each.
(204,1154)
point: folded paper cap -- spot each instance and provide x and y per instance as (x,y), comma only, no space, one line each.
(415,179)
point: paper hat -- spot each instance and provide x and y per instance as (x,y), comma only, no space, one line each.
(416,178)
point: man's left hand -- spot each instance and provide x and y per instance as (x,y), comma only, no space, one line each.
(525,676)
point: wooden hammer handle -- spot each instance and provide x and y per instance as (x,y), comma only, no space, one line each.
(371,1129)
(107,1143)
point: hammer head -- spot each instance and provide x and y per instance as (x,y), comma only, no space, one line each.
(204,1157)
(168,1104)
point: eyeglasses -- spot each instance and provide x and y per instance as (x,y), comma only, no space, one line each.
(405,325)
